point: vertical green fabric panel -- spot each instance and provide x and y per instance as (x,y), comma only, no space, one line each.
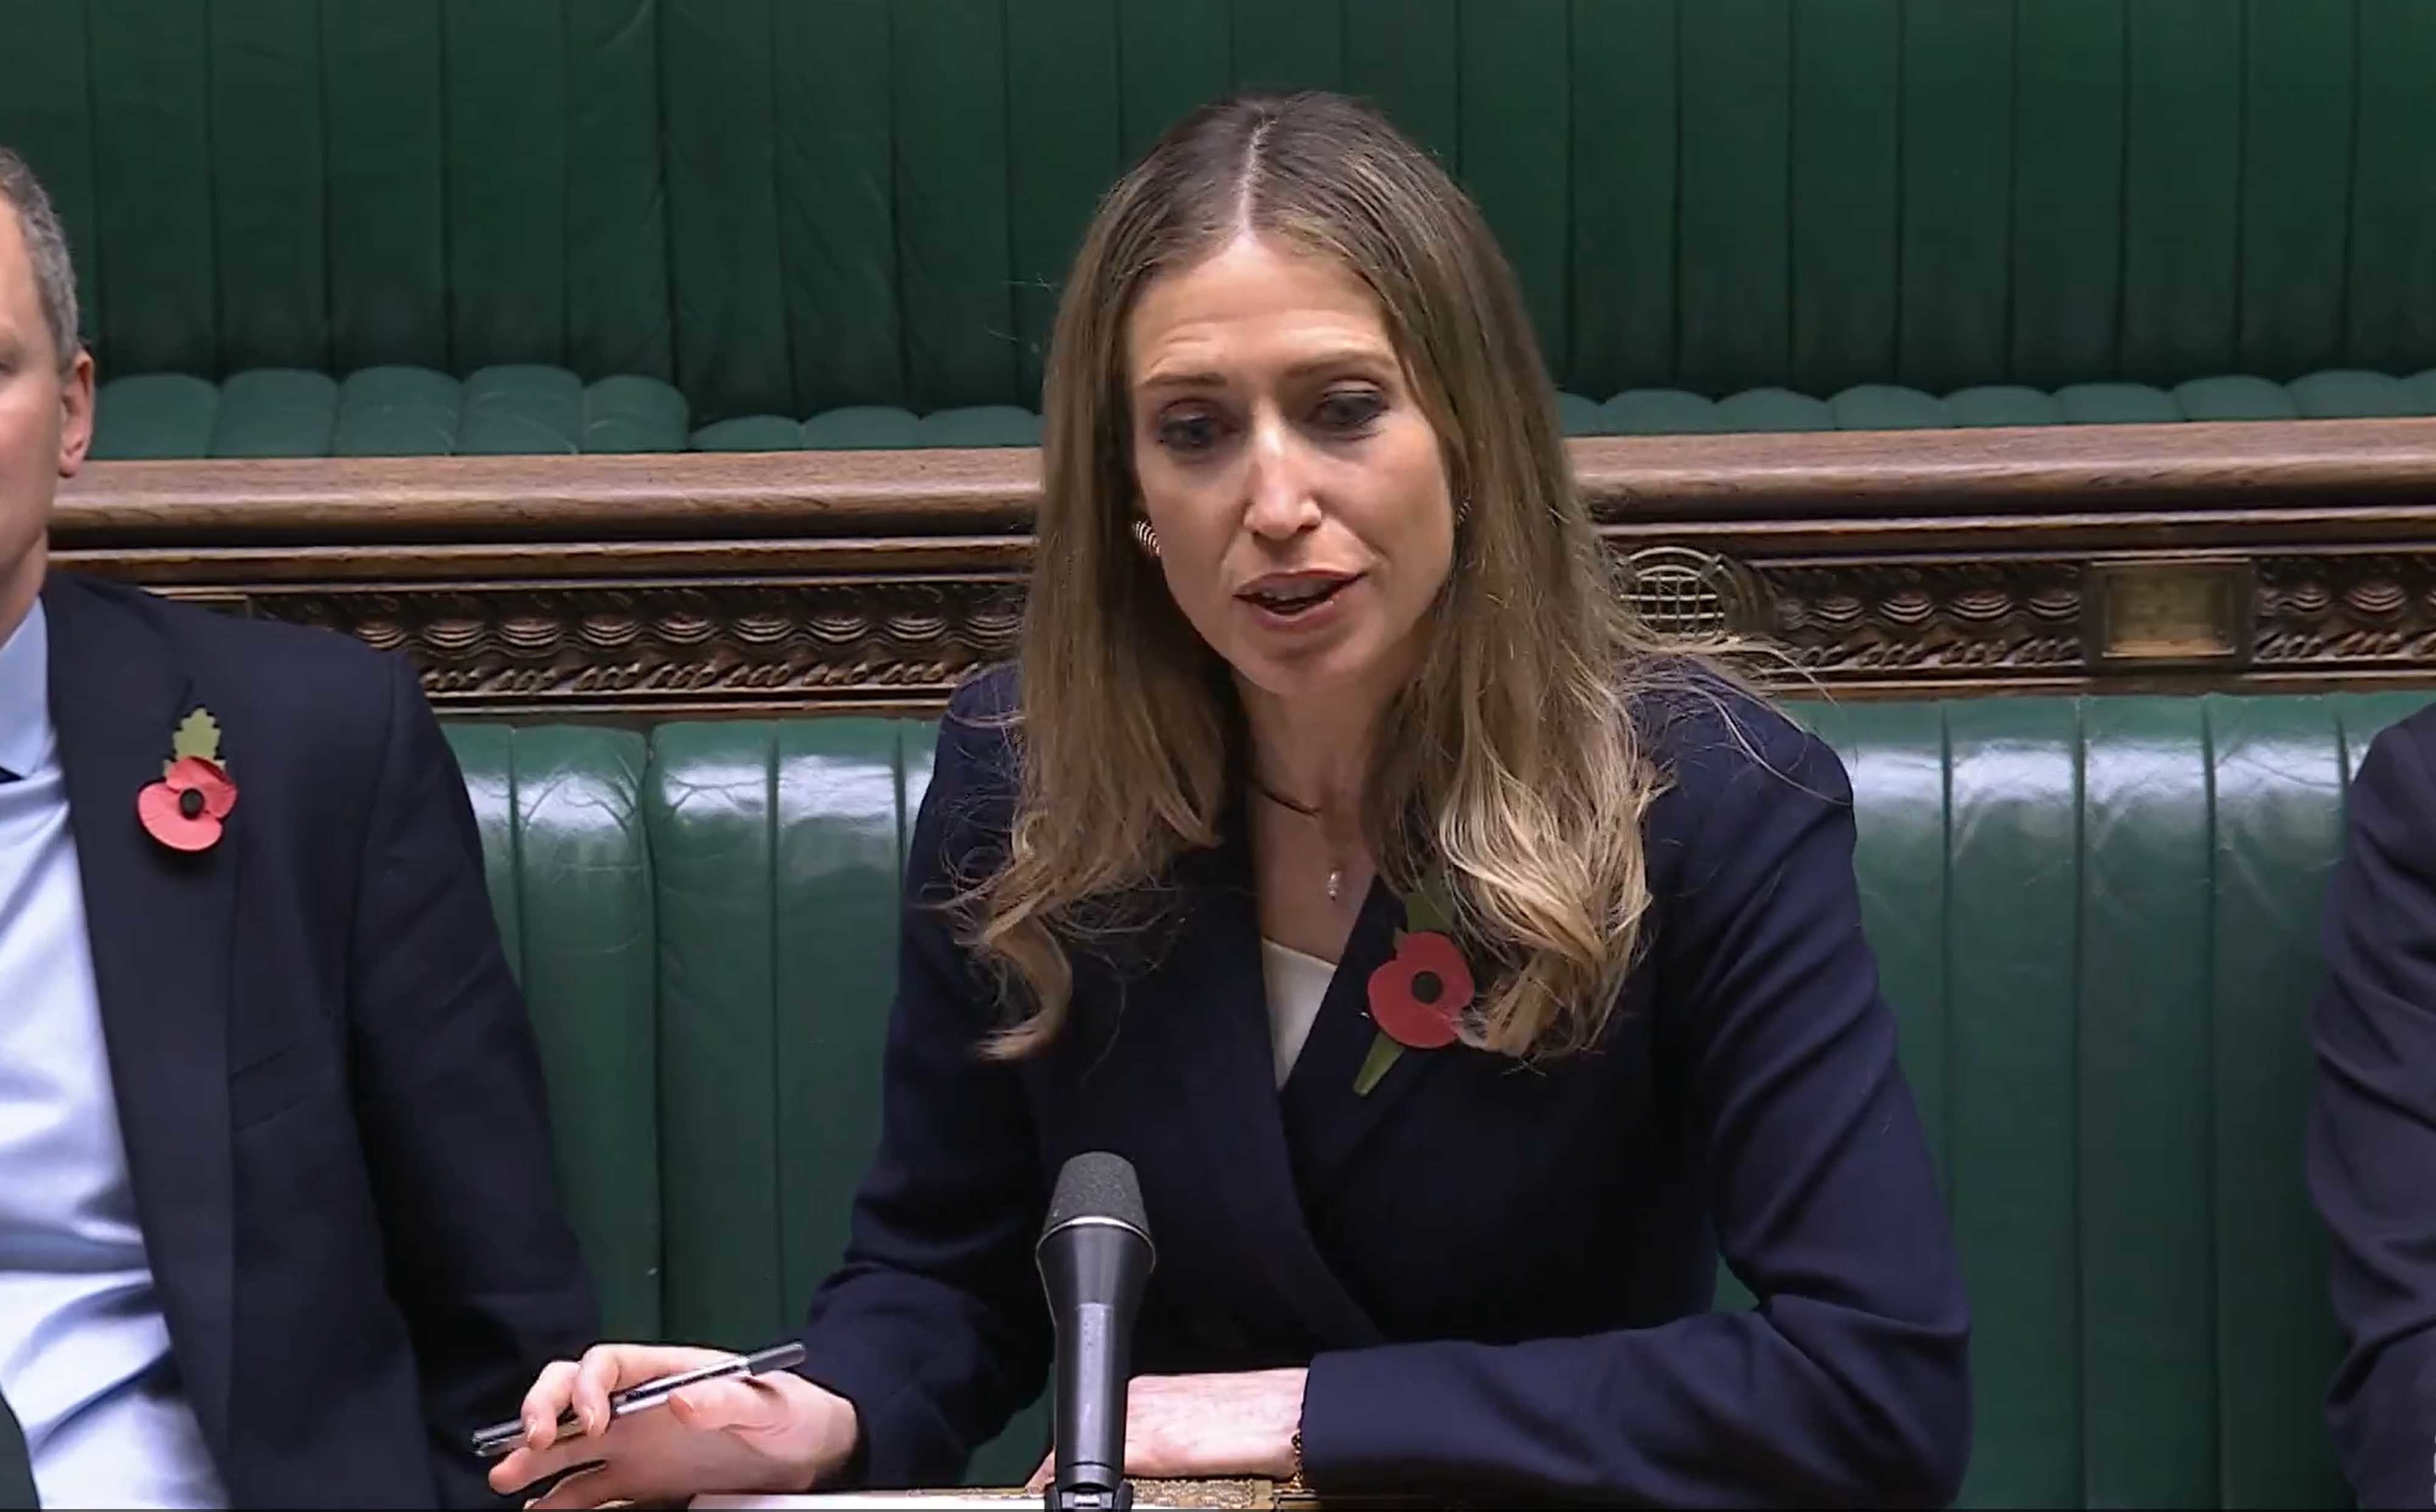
(2013,911)
(834,858)
(1283,45)
(1177,55)
(382,92)
(266,184)
(717,58)
(2182,157)
(506,155)
(1895,757)
(709,809)
(2278,777)
(46,117)
(583,885)
(949,59)
(1065,123)
(1624,88)
(485,755)
(1403,56)
(151,128)
(2364,716)
(1516,144)
(837,208)
(1847,203)
(2296,142)
(2067,191)
(2393,316)
(1732,275)
(2146,1159)
(1958,83)
(616,220)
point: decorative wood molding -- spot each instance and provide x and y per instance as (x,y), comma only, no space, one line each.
(2293,554)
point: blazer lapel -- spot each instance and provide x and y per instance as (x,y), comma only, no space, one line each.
(159,923)
(1326,1121)
(1211,1012)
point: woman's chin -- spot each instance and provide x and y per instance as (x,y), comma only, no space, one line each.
(1346,667)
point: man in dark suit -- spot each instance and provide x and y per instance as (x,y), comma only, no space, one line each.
(277,1216)
(2371,1142)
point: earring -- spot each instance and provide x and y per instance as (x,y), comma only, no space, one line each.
(1144,536)
(1463,509)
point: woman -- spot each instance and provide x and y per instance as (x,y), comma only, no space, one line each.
(1325,705)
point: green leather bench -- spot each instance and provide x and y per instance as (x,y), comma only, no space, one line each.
(551,225)
(2096,920)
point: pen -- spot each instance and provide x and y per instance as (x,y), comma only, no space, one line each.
(499,1438)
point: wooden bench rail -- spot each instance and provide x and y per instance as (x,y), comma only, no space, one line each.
(1688,478)
(2293,554)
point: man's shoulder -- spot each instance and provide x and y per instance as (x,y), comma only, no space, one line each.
(295,685)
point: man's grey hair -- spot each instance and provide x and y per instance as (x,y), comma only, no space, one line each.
(46,244)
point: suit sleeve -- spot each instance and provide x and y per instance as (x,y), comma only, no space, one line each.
(1848,1383)
(450,1102)
(2372,1138)
(933,1327)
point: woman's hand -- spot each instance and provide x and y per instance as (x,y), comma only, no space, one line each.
(1191,1427)
(771,1433)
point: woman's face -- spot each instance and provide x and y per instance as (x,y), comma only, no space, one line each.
(1298,492)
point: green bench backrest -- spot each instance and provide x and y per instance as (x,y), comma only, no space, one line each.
(783,208)
(2096,920)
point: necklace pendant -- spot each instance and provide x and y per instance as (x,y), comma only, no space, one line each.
(1336,882)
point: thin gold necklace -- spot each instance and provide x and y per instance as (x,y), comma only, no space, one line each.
(1335,873)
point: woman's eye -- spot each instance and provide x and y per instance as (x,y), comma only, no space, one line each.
(1188,432)
(1351,409)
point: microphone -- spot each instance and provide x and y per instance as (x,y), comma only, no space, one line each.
(1094,1254)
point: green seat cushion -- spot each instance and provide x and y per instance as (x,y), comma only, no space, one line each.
(514,408)
(526,409)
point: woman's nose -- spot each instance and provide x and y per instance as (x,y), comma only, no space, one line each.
(1279,500)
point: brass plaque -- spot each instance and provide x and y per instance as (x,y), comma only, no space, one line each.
(2160,612)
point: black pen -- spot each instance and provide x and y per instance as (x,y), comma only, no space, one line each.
(499,1438)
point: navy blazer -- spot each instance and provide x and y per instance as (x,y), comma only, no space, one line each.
(2372,1139)
(1500,1275)
(327,1085)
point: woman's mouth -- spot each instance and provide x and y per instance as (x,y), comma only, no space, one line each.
(1293,595)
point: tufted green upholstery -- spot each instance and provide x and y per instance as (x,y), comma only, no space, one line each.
(786,209)
(2096,920)
(415,412)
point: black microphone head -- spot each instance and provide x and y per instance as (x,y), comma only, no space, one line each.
(1099,1186)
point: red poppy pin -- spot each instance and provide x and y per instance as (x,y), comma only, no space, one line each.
(184,809)
(1417,997)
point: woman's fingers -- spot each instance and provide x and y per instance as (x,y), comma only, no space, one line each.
(599,1373)
(551,1390)
(742,1405)
(521,1467)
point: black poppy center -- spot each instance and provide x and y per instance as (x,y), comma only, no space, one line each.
(190,803)
(1427,987)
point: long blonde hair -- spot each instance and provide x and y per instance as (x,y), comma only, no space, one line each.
(1511,761)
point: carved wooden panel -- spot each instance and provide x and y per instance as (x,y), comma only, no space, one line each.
(2291,554)
(676,644)
(2375,610)
(1927,619)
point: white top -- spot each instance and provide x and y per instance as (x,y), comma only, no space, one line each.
(84,1352)
(1296,983)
